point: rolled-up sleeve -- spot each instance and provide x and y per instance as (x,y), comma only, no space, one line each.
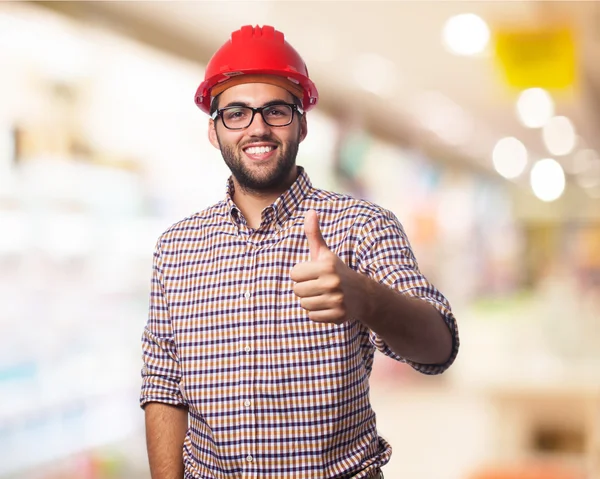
(385,255)
(161,372)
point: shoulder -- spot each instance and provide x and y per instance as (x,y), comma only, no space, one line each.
(192,227)
(338,205)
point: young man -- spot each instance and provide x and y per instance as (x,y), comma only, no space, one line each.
(267,307)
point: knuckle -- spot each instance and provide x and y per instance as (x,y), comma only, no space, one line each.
(338,300)
(335,282)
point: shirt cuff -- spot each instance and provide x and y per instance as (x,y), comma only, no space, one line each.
(160,390)
(429,369)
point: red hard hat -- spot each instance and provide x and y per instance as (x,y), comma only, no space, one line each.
(256,51)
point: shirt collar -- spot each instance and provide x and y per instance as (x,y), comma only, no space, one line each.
(283,207)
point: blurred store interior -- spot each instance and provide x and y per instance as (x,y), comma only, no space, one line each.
(476,123)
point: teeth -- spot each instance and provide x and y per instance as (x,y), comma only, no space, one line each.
(258,150)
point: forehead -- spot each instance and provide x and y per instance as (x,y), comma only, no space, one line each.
(254,94)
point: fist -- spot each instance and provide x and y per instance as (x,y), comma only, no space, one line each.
(327,288)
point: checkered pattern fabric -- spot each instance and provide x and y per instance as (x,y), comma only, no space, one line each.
(271,393)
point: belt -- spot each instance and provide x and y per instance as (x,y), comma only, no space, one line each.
(376,474)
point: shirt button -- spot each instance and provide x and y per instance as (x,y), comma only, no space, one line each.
(247,349)
(247,295)
(249,458)
(247,402)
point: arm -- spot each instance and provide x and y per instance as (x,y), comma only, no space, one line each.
(409,318)
(412,328)
(166,427)
(166,413)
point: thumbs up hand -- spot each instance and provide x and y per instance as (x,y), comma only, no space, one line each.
(316,243)
(328,289)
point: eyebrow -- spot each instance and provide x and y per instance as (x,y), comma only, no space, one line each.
(269,103)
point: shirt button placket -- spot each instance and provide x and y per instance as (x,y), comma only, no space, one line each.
(248,364)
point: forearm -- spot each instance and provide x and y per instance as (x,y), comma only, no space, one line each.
(166,427)
(411,327)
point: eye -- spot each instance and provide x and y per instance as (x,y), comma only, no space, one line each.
(235,114)
(277,111)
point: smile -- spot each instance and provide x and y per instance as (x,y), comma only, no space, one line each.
(259,150)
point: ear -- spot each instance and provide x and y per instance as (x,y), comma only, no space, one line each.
(303,128)
(212,134)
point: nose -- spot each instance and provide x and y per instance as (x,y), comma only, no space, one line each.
(258,127)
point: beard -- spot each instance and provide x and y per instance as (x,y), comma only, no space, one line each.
(262,178)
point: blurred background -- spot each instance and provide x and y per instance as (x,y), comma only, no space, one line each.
(477,123)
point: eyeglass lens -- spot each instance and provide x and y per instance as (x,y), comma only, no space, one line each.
(241,117)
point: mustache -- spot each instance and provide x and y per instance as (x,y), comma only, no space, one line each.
(262,139)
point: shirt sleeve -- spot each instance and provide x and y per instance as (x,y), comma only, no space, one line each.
(386,256)
(161,372)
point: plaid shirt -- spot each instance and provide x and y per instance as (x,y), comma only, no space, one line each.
(271,393)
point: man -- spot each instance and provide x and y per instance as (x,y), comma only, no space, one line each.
(267,307)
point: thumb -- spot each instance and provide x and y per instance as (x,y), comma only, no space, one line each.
(316,243)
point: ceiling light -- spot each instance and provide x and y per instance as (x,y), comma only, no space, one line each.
(509,157)
(559,136)
(465,34)
(547,179)
(535,107)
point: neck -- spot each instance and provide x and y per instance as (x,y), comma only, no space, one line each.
(252,202)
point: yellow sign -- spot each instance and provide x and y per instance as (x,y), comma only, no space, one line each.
(544,58)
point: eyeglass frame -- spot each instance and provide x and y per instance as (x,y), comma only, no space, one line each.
(295,109)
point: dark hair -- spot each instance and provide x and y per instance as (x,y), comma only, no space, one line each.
(214,104)
(297,101)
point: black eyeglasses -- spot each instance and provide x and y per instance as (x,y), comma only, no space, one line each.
(240,117)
